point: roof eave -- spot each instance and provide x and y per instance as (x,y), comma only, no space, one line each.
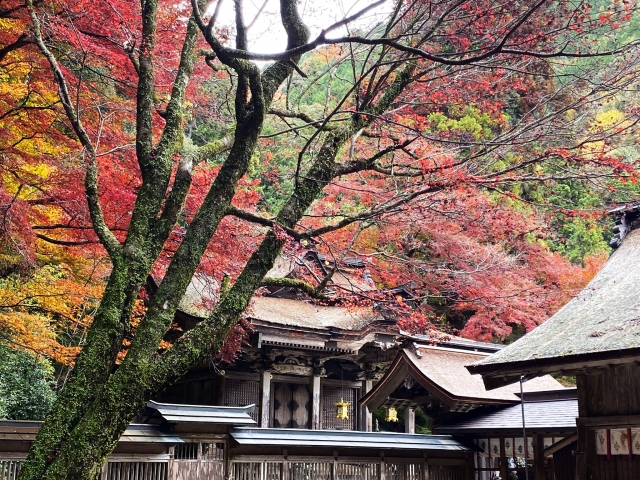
(496,375)
(503,430)
(391,380)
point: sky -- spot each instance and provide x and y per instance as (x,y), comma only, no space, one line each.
(266,35)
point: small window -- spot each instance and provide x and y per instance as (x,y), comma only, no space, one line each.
(213,451)
(186,451)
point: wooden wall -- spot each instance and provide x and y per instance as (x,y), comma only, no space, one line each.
(608,397)
(611,390)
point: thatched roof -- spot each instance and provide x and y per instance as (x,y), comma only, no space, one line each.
(601,324)
(201,296)
(298,313)
(441,371)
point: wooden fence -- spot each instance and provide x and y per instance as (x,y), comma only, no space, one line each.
(206,461)
(313,469)
(9,469)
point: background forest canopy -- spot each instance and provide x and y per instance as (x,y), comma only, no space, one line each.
(468,149)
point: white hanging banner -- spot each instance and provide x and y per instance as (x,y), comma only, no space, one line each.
(483,443)
(520,447)
(601,442)
(508,447)
(619,441)
(495,447)
(635,441)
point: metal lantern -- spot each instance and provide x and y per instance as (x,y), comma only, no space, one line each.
(392,415)
(342,408)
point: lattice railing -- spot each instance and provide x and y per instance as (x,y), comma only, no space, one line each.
(331,395)
(137,471)
(9,469)
(240,393)
(344,470)
(446,472)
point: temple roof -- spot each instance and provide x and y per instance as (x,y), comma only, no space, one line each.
(26,430)
(553,416)
(441,371)
(345,439)
(299,313)
(179,413)
(600,325)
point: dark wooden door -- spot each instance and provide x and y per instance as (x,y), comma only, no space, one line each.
(291,405)
(564,463)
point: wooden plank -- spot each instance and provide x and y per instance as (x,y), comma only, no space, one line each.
(583,398)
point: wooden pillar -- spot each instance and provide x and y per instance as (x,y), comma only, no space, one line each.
(316,397)
(538,458)
(104,473)
(366,419)
(471,466)
(582,454)
(409,420)
(503,458)
(171,467)
(265,399)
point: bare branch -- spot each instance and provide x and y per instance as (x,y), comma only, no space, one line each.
(66,243)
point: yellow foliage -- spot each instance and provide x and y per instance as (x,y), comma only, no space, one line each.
(38,310)
(609,118)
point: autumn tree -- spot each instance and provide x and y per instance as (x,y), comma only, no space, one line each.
(416,124)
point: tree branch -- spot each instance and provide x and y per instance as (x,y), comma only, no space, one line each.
(106,236)
(265,222)
(207,152)
(67,243)
(360,165)
(294,283)
(20,42)
(301,116)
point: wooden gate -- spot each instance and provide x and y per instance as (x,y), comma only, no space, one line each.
(198,461)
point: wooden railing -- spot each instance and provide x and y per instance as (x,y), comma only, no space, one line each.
(352,469)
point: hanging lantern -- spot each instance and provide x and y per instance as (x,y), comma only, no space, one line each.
(342,408)
(392,415)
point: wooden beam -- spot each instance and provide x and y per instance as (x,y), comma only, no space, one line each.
(265,399)
(568,440)
(366,418)
(315,403)
(409,420)
(538,457)
(581,456)
(503,457)
(612,421)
